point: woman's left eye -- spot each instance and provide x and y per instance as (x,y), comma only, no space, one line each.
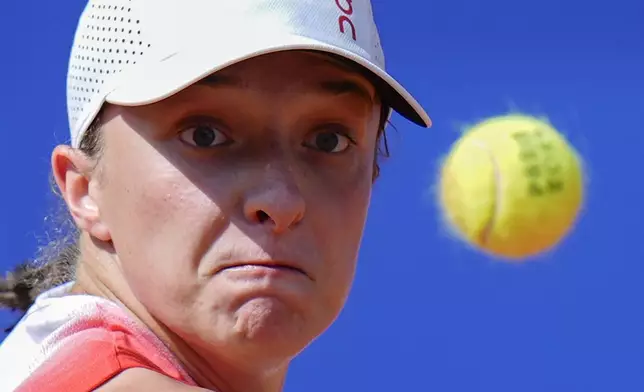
(331,142)
(204,136)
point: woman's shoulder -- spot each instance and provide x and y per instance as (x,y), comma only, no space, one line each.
(77,343)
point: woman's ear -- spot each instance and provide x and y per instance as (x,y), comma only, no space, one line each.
(77,180)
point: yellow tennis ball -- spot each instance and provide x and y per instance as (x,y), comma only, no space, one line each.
(512,186)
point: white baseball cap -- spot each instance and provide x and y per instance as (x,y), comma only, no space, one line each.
(137,52)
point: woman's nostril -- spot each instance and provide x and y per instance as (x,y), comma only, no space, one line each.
(262,216)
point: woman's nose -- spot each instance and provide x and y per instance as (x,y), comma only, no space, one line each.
(277,204)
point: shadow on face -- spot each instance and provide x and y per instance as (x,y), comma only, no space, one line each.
(236,207)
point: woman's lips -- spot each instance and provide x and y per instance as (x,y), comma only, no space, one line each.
(272,265)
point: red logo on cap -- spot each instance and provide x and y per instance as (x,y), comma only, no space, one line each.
(345,20)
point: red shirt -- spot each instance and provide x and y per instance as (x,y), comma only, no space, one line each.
(97,345)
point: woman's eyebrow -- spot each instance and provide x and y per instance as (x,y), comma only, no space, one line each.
(219,79)
(342,87)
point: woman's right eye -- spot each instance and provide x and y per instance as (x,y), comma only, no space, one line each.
(204,136)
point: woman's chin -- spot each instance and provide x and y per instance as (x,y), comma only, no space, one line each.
(267,316)
(271,325)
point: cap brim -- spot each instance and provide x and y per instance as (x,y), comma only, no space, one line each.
(154,82)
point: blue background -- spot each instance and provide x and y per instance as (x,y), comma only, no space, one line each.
(426,312)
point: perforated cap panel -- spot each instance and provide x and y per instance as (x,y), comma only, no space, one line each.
(109,38)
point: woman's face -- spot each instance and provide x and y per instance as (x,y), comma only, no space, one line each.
(237,206)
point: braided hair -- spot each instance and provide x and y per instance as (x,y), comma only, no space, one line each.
(20,287)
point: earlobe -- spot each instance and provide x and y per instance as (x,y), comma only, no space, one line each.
(73,172)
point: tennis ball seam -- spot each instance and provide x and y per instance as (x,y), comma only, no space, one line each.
(488,228)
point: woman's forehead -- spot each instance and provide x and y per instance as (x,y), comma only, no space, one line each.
(313,64)
(296,72)
(305,73)
(317,72)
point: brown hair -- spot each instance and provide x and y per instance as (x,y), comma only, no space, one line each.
(56,262)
